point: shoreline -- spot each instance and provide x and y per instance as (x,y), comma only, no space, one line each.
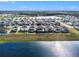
(44,37)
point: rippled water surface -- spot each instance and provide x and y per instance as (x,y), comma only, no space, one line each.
(40,48)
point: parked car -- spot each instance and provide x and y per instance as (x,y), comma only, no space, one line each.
(32,29)
(14,29)
(40,30)
(57,30)
(64,30)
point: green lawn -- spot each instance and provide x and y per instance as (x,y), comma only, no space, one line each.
(42,37)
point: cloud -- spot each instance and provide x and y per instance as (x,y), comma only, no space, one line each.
(73,8)
(12,1)
(3,1)
(7,2)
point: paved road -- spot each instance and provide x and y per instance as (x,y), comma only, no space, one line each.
(70,28)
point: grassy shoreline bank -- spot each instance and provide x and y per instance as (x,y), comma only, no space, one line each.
(40,37)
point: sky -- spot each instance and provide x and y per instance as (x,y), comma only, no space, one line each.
(39,5)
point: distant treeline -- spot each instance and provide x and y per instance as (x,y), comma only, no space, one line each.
(45,13)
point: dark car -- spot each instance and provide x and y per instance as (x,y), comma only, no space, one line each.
(64,30)
(31,30)
(14,29)
(23,29)
(57,30)
(49,30)
(3,31)
(40,30)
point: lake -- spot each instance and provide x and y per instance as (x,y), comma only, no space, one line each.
(39,49)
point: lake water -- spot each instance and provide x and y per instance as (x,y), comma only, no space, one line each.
(40,49)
